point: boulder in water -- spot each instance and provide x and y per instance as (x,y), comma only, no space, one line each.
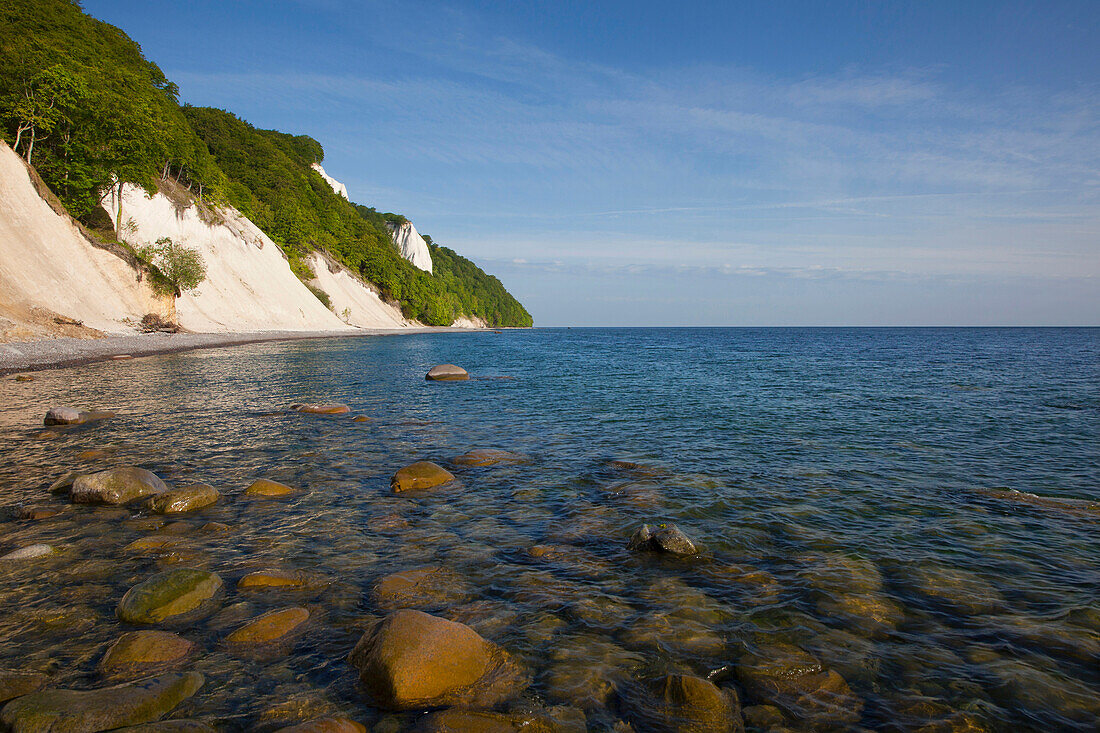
(72,416)
(266,488)
(275,627)
(29,552)
(488,457)
(420,475)
(432,586)
(663,538)
(184,499)
(680,703)
(14,683)
(115,486)
(412,660)
(321,408)
(173,596)
(446,373)
(103,709)
(140,653)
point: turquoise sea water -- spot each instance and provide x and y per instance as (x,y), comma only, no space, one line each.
(916,510)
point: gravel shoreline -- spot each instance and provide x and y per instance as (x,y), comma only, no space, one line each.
(23,356)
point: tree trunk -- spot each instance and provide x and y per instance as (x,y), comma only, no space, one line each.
(30,148)
(118,217)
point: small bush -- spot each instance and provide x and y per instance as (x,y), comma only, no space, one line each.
(321,295)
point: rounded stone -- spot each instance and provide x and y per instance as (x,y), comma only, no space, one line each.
(15,683)
(326,725)
(428,586)
(420,475)
(142,652)
(487,457)
(172,596)
(184,499)
(683,704)
(271,628)
(115,486)
(268,488)
(446,373)
(103,709)
(360,418)
(29,552)
(262,579)
(411,660)
(322,408)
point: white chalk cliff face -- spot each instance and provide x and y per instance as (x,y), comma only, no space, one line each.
(48,268)
(336,185)
(411,245)
(354,302)
(249,285)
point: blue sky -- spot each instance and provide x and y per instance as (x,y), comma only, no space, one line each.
(748,163)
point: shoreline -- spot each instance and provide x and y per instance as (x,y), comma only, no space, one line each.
(59,353)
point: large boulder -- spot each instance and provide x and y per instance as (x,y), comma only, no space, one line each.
(174,596)
(680,703)
(184,499)
(140,653)
(72,711)
(267,488)
(411,660)
(73,416)
(115,486)
(420,475)
(446,373)
(663,538)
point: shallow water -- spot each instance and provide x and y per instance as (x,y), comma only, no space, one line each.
(914,508)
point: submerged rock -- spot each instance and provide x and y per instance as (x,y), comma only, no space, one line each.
(420,475)
(14,683)
(322,408)
(267,488)
(139,653)
(29,552)
(360,418)
(262,579)
(38,513)
(456,720)
(683,704)
(72,416)
(103,709)
(326,725)
(273,628)
(115,486)
(172,596)
(446,373)
(664,538)
(791,679)
(169,726)
(412,660)
(488,457)
(428,586)
(184,499)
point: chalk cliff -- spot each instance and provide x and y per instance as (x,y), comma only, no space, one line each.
(411,245)
(354,302)
(336,185)
(52,276)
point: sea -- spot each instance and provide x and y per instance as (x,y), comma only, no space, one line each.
(897,528)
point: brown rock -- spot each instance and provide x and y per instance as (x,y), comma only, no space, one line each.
(790,678)
(446,373)
(411,660)
(360,418)
(37,513)
(184,499)
(14,683)
(326,725)
(72,416)
(274,627)
(488,457)
(322,408)
(420,475)
(683,704)
(266,488)
(455,720)
(139,653)
(24,377)
(173,596)
(262,579)
(427,586)
(168,726)
(115,486)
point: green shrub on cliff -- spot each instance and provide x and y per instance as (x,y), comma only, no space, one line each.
(182,268)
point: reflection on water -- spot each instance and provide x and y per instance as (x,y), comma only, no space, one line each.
(900,527)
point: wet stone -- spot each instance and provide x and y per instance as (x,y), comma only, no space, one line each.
(139,653)
(30,552)
(103,709)
(662,538)
(420,475)
(326,725)
(266,488)
(115,486)
(480,721)
(793,680)
(173,596)
(15,683)
(38,513)
(958,590)
(682,704)
(488,457)
(431,586)
(169,726)
(265,579)
(276,628)
(184,499)
(321,408)
(412,660)
(71,416)
(446,373)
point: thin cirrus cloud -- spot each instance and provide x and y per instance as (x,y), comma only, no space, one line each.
(507,151)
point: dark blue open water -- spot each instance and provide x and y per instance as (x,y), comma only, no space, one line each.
(915,510)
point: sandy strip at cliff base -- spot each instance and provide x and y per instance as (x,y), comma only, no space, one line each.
(22,356)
